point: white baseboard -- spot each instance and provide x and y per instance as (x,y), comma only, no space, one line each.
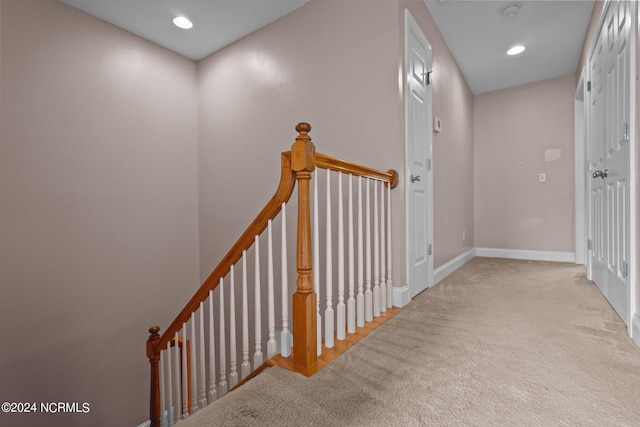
(401,296)
(526,254)
(446,269)
(635,329)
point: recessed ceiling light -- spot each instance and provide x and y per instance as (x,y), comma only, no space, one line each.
(516,50)
(182,22)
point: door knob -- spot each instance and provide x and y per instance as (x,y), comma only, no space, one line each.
(600,173)
(414,178)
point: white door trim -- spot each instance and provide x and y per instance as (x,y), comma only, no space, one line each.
(633,167)
(412,26)
(580,146)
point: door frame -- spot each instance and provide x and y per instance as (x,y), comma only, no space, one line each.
(633,168)
(580,147)
(411,25)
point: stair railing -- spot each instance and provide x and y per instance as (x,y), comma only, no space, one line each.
(189,360)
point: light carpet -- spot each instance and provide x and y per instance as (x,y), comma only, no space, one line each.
(498,342)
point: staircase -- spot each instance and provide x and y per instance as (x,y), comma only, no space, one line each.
(216,342)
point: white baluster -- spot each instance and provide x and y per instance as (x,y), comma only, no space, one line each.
(328,311)
(389,281)
(383,248)
(340,308)
(245,368)
(233,374)
(351,301)
(376,253)
(203,384)
(213,393)
(285,335)
(164,418)
(185,377)
(360,296)
(223,386)
(272,345)
(163,383)
(194,378)
(169,406)
(316,261)
(368,295)
(257,356)
(178,394)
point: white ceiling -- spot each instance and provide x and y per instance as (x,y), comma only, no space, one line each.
(475,31)
(478,36)
(216,23)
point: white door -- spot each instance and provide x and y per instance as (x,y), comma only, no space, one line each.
(609,158)
(418,161)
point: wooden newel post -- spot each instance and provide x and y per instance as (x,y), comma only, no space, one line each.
(154,360)
(303,162)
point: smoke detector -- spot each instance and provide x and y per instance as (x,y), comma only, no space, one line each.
(511,10)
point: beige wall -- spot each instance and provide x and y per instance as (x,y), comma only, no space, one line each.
(344,81)
(331,63)
(98,211)
(513,128)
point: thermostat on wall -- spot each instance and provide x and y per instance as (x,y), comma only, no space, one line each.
(437,124)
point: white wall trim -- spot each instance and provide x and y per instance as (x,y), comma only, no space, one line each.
(635,329)
(446,269)
(526,254)
(401,296)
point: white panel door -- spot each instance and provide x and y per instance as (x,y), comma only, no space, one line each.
(595,157)
(418,162)
(610,157)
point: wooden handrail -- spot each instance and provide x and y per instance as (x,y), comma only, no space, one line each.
(156,343)
(296,165)
(259,224)
(335,164)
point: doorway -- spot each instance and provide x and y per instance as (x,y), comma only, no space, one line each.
(418,148)
(610,156)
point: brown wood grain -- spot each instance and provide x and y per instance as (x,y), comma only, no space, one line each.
(335,164)
(154,360)
(340,346)
(304,351)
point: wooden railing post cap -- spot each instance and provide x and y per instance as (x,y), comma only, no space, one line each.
(395,178)
(153,338)
(303,152)
(303,128)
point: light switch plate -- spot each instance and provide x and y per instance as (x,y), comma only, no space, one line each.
(437,125)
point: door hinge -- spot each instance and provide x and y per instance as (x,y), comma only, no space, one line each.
(625,269)
(588,86)
(429,249)
(625,131)
(588,243)
(428,164)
